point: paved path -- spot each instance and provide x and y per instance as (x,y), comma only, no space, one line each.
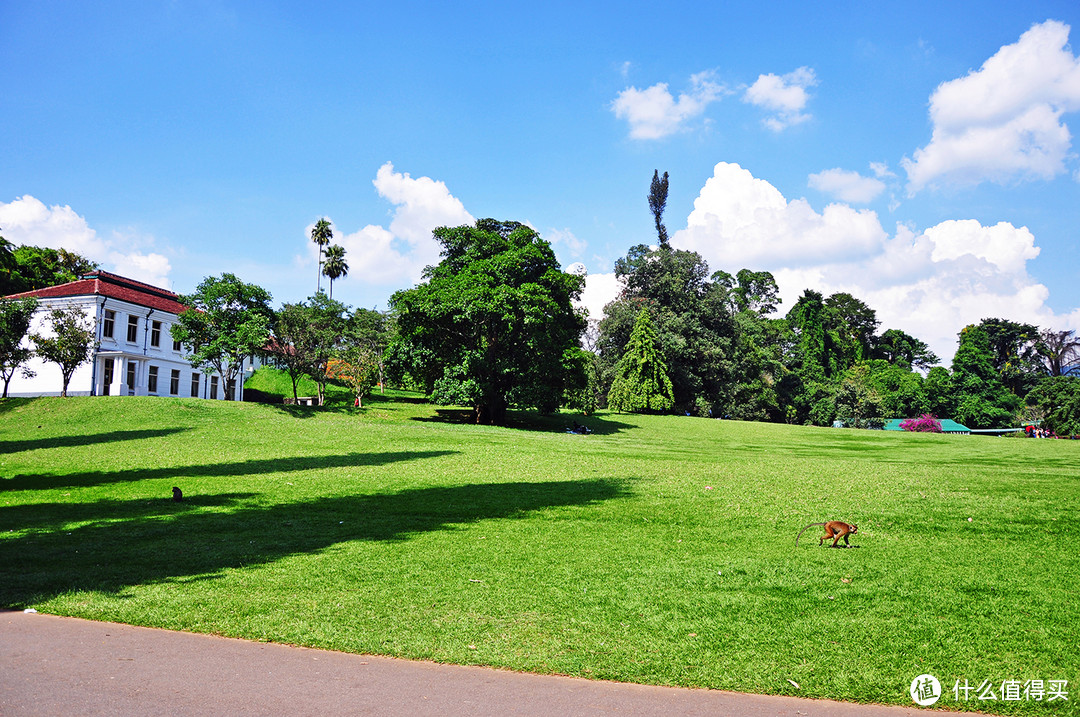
(65,666)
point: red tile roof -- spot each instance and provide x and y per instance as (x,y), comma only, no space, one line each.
(102,283)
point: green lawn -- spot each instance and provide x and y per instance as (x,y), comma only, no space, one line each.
(657,549)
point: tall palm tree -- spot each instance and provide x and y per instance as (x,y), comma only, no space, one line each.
(321,234)
(335,267)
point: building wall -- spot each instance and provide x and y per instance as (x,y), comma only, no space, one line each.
(135,347)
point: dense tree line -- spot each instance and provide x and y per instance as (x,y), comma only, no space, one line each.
(27,268)
(729,355)
(492,326)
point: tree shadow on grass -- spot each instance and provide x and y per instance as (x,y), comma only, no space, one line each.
(531,421)
(133,544)
(52,516)
(10,404)
(85,440)
(46,481)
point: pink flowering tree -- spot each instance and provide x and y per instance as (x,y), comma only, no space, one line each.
(925,423)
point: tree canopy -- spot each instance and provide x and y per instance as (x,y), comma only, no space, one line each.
(15,316)
(1057,400)
(69,344)
(641,382)
(27,268)
(492,322)
(225,321)
(305,336)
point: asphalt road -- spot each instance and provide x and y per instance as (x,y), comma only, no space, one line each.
(65,666)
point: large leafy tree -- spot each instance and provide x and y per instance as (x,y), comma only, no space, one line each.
(858,399)
(902,391)
(641,382)
(1014,353)
(940,392)
(225,320)
(358,366)
(492,322)
(814,350)
(760,343)
(982,400)
(903,349)
(1057,399)
(371,330)
(70,343)
(335,266)
(15,316)
(1060,351)
(305,336)
(752,290)
(852,326)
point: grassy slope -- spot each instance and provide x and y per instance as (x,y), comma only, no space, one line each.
(659,549)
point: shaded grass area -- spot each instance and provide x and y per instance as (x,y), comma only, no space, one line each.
(658,549)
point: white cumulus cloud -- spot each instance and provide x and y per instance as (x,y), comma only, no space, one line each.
(29,221)
(600,290)
(1003,122)
(785,96)
(565,243)
(748,222)
(654,112)
(847,186)
(394,255)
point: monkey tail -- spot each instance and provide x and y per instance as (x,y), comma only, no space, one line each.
(803,531)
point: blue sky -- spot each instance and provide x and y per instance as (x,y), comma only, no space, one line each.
(918,155)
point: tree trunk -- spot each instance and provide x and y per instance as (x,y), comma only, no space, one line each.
(492,411)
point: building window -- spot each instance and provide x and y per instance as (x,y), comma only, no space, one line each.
(194,385)
(176,346)
(151,383)
(133,329)
(174,382)
(213,387)
(155,334)
(107,375)
(110,322)
(131,373)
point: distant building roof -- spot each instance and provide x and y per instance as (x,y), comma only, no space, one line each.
(102,283)
(947,425)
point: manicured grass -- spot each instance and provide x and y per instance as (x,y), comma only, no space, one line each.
(657,549)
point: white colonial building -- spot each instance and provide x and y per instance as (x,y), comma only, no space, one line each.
(136,354)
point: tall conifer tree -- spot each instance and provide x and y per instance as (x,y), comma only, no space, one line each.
(641,382)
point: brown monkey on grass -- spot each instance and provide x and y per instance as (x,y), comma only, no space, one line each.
(834,529)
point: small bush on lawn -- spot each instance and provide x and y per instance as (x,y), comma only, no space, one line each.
(925,423)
